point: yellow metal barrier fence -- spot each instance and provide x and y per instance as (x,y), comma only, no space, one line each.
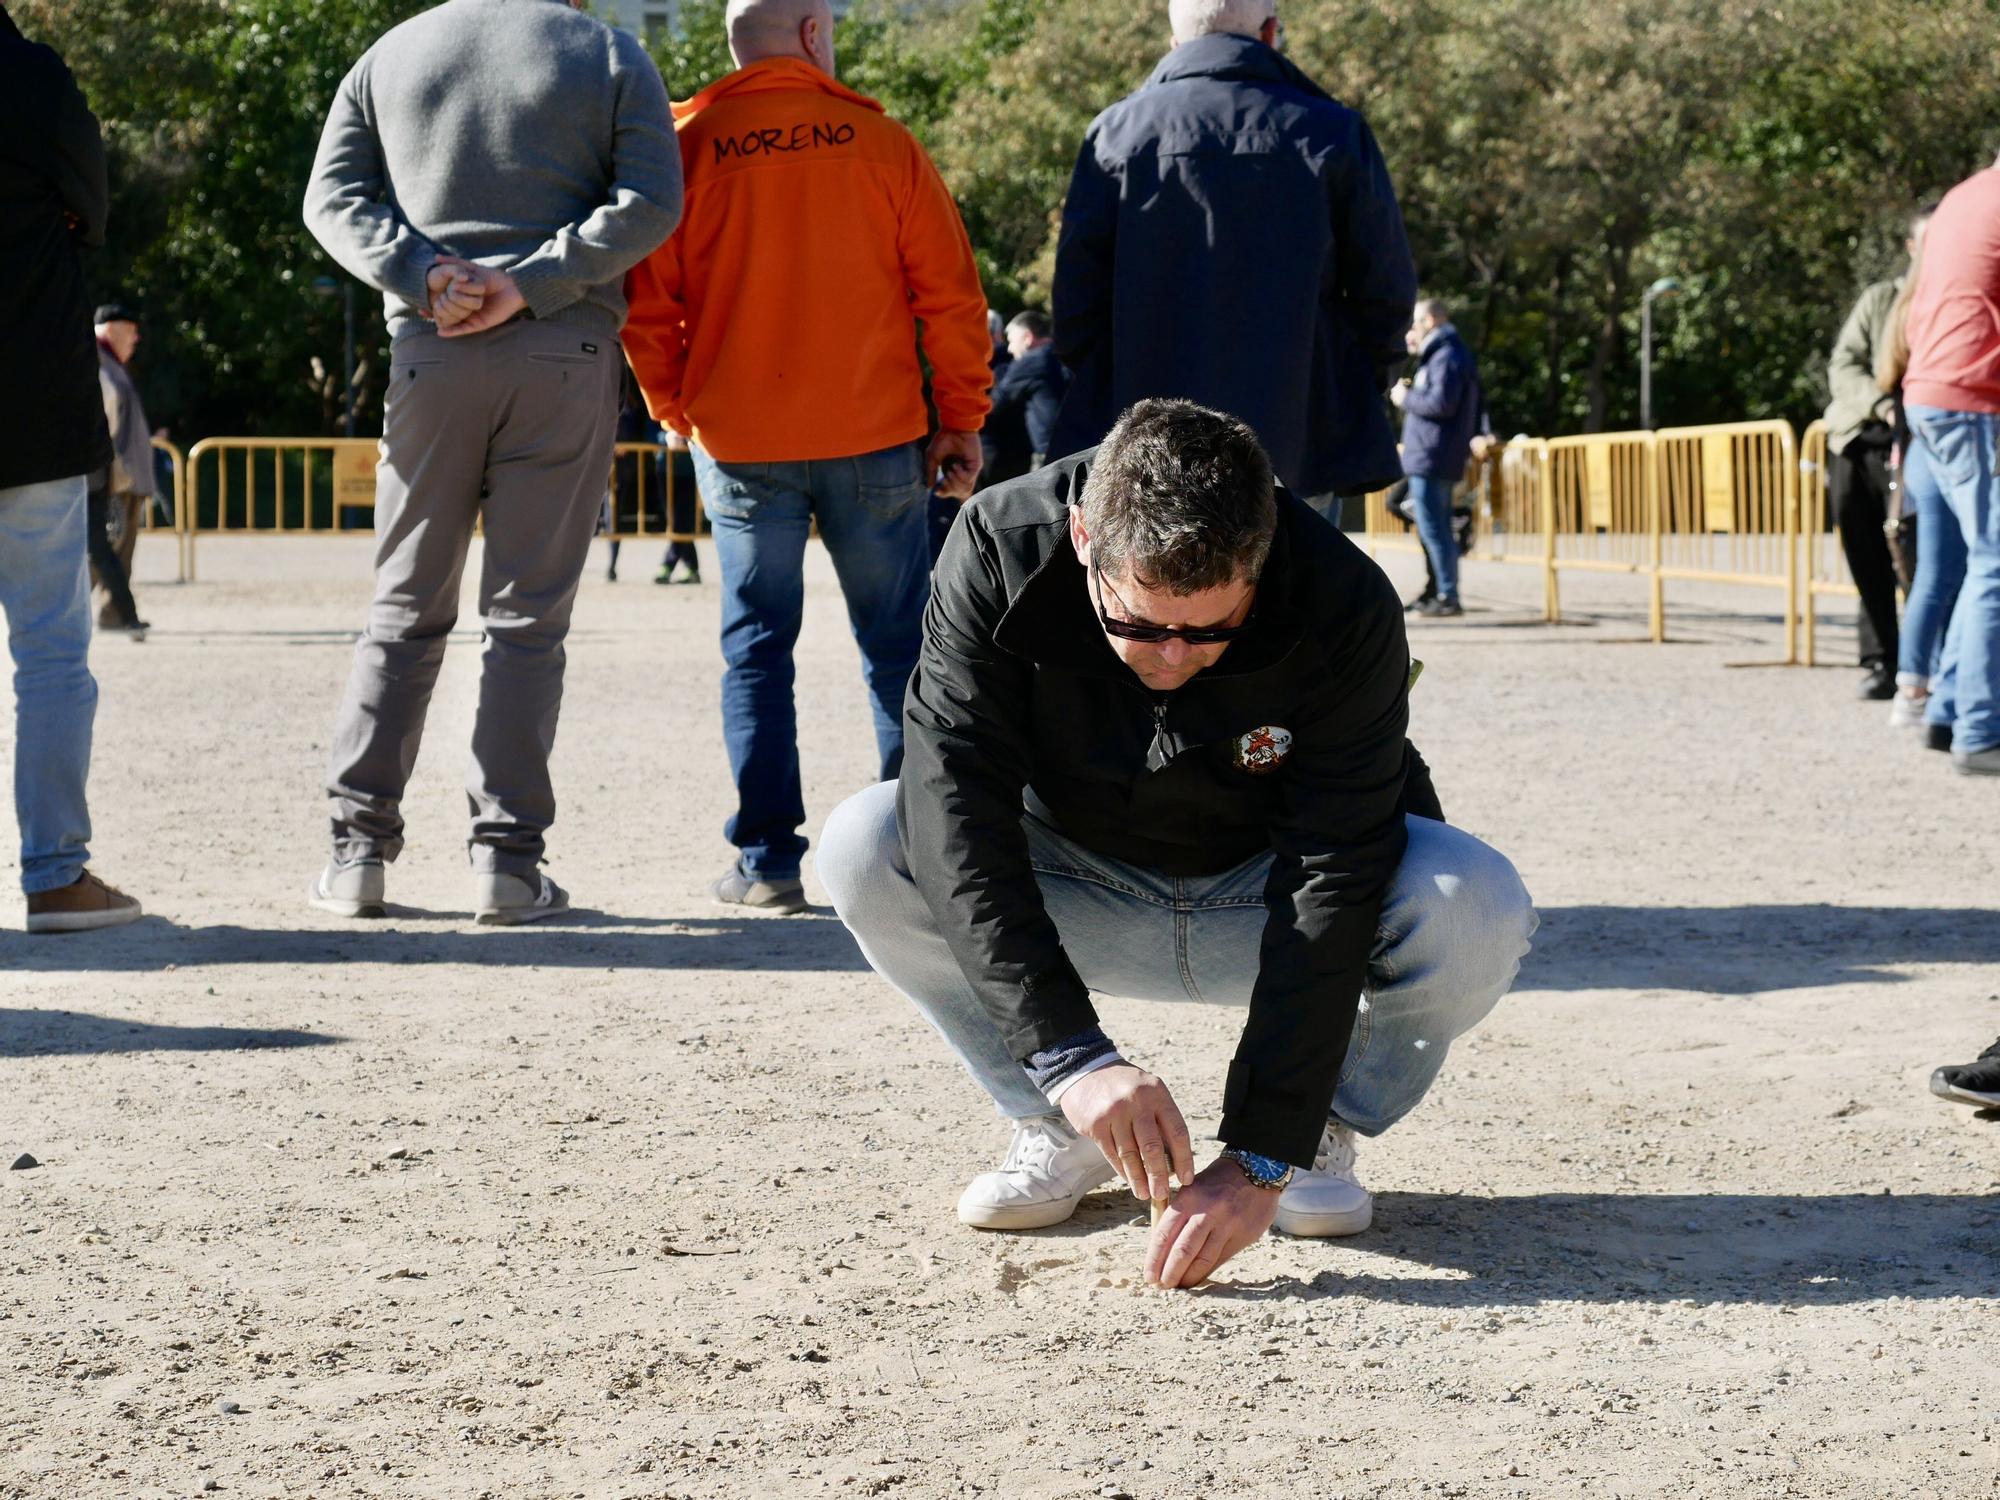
(644,458)
(1715,504)
(150,518)
(1597,509)
(315,486)
(1823,559)
(1727,511)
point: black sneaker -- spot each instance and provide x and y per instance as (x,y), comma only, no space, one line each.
(1975,1083)
(1879,686)
(1416,605)
(1937,737)
(1440,609)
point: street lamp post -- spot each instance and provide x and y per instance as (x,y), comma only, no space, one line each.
(1666,286)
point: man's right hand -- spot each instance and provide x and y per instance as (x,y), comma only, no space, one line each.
(1136,1124)
(954,460)
(500,298)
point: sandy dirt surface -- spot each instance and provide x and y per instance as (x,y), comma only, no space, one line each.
(658,1202)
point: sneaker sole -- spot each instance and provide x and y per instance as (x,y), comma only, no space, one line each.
(1963,1096)
(83,921)
(1022,1216)
(1306,1226)
(369,910)
(519,916)
(793,907)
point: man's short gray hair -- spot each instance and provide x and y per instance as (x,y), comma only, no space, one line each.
(1193,18)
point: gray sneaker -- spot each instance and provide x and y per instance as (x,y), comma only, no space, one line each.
(509,900)
(784,897)
(350,890)
(1977,762)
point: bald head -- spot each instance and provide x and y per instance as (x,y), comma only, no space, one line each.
(764,29)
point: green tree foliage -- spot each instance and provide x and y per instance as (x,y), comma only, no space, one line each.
(1553,158)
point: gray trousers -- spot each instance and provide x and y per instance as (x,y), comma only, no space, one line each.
(513,429)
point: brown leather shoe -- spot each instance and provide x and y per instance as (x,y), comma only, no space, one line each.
(86,904)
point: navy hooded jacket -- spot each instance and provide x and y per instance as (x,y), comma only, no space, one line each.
(1441,411)
(1231,236)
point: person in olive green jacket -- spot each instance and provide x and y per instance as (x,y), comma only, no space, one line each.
(1861,437)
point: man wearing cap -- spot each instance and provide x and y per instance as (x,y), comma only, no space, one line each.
(1156,747)
(118,500)
(53,200)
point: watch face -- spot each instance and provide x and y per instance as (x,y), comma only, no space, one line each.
(1265,1171)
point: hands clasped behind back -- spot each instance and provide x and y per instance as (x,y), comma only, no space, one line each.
(467,298)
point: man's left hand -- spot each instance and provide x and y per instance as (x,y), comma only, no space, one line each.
(955,459)
(1220,1213)
(1398,393)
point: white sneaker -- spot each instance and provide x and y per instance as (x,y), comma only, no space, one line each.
(1906,712)
(1048,1169)
(353,890)
(509,900)
(1327,1201)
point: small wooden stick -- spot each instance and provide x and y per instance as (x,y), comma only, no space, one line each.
(1159,1207)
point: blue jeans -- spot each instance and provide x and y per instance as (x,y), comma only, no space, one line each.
(1940,570)
(1431,499)
(1454,928)
(45,591)
(876,527)
(1962,454)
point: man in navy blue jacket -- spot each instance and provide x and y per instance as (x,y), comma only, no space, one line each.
(1231,236)
(1440,405)
(1026,398)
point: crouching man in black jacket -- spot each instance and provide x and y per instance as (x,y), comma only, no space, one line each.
(1155,747)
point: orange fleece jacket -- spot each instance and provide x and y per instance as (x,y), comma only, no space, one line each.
(779,321)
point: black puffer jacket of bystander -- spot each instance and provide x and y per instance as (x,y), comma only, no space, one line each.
(53,203)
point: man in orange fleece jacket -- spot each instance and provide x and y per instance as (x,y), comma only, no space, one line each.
(778,328)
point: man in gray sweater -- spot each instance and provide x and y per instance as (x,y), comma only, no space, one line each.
(494,167)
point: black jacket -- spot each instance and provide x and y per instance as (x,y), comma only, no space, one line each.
(1017,693)
(1022,422)
(1443,409)
(53,200)
(1231,235)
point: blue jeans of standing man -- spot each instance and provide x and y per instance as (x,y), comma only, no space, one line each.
(1453,931)
(875,523)
(1431,499)
(1939,572)
(1962,454)
(45,591)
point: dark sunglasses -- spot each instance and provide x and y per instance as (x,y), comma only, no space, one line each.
(1126,630)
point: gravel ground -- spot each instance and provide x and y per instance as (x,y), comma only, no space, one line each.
(659,1202)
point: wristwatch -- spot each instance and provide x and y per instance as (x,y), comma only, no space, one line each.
(1266,1172)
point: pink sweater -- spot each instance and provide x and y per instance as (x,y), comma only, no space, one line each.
(1954,326)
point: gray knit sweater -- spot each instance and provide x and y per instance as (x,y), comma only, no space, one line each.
(520,134)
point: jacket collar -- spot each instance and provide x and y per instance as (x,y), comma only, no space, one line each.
(1237,59)
(1053,623)
(1437,336)
(771,76)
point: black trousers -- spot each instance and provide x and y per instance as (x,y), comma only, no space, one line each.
(104,557)
(1858,486)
